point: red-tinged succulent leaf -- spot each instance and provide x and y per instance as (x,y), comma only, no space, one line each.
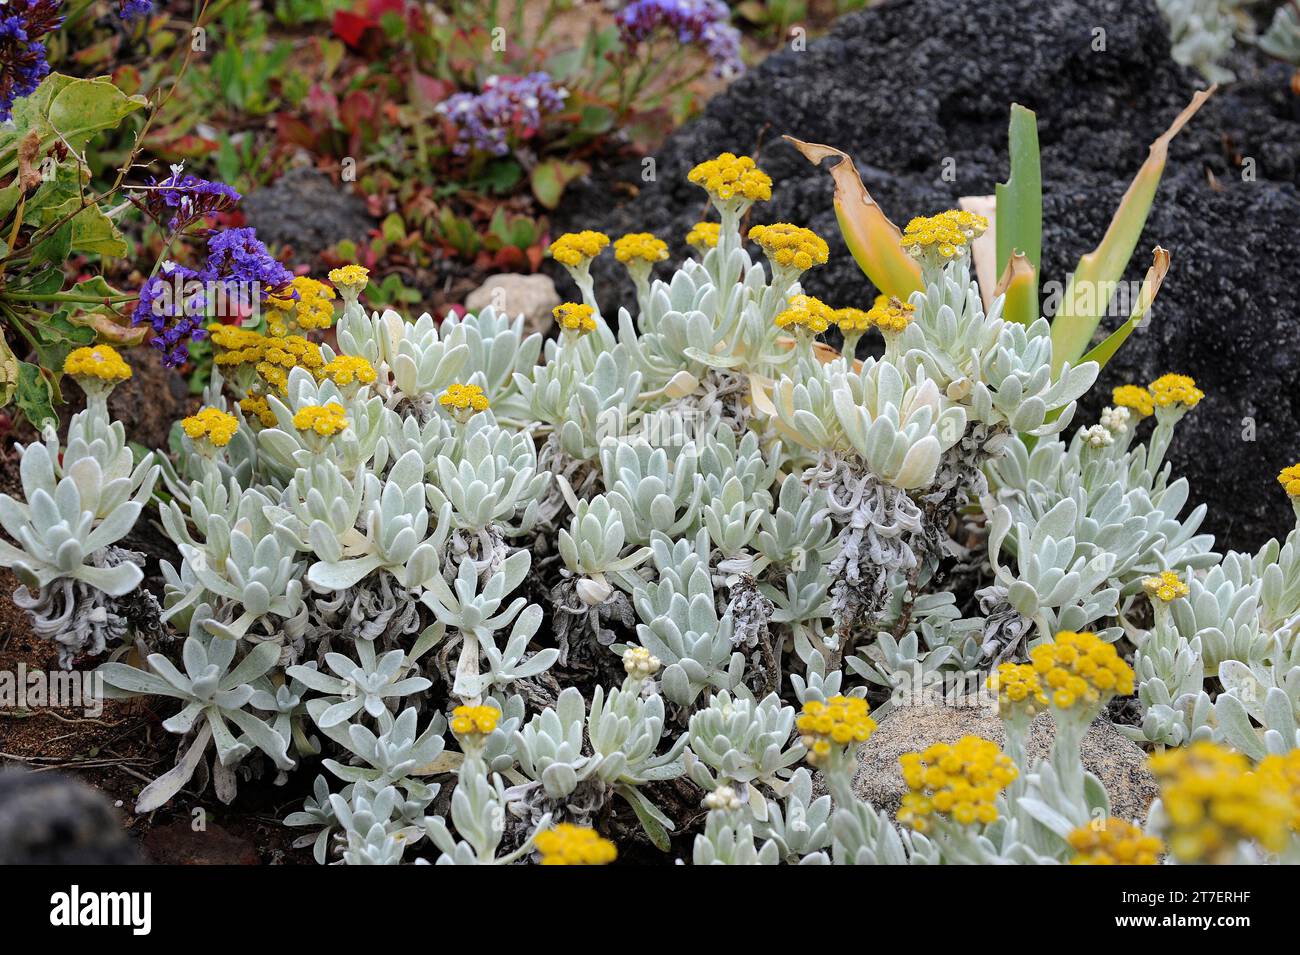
(351,28)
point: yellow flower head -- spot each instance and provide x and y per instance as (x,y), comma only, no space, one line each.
(466,399)
(474,720)
(257,406)
(946,234)
(1284,773)
(235,345)
(576,248)
(567,844)
(806,312)
(890,314)
(215,425)
(957,781)
(1018,689)
(730,177)
(348,369)
(1079,668)
(1114,842)
(840,721)
(1289,478)
(313,308)
(282,355)
(852,319)
(640,247)
(351,280)
(324,420)
(703,235)
(101,362)
(791,246)
(1213,802)
(1135,398)
(1170,390)
(1166,586)
(575,317)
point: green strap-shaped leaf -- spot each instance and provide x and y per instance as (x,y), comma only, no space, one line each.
(1088,292)
(1019,220)
(1150,286)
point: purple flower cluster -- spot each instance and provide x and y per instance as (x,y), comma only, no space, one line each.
(703,22)
(181,200)
(174,302)
(134,9)
(508,106)
(22,54)
(239,275)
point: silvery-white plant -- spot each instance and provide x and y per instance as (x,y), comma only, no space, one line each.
(742,519)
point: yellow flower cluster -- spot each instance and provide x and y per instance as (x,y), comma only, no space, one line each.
(314,307)
(732,177)
(852,319)
(1170,390)
(281,355)
(464,398)
(1114,842)
(808,312)
(574,248)
(1289,478)
(640,246)
(1284,773)
(1166,586)
(1018,687)
(211,423)
(575,317)
(101,361)
(947,233)
(257,405)
(325,420)
(273,357)
(346,369)
(960,781)
(839,721)
(1213,801)
(350,279)
(791,245)
(1080,668)
(703,235)
(890,314)
(1135,398)
(474,720)
(567,844)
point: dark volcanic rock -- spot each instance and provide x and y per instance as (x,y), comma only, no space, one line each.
(911,83)
(304,208)
(47,819)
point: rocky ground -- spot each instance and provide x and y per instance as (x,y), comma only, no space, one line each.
(911,88)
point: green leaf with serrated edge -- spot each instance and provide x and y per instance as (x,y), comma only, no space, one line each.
(35,394)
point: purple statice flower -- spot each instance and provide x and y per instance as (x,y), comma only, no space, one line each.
(181,200)
(702,22)
(238,277)
(174,303)
(134,9)
(237,257)
(22,54)
(508,106)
